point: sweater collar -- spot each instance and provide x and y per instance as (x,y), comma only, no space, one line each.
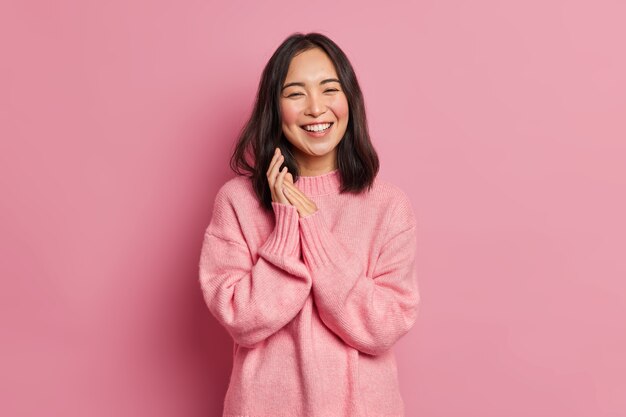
(328,183)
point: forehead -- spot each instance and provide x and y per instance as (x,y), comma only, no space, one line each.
(311,65)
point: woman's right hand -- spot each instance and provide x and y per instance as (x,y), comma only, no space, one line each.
(275,177)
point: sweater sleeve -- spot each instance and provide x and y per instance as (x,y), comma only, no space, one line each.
(369,314)
(252,299)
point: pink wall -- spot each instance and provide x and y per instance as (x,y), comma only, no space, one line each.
(504,121)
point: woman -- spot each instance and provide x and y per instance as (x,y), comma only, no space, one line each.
(309,259)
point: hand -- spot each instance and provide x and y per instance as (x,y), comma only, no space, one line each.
(298,199)
(277,178)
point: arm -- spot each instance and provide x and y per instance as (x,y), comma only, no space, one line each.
(370,314)
(252,300)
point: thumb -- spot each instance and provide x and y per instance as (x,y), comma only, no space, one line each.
(289,177)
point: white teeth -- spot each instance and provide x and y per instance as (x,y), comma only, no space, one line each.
(317,128)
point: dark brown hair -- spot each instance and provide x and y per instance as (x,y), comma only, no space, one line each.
(357,161)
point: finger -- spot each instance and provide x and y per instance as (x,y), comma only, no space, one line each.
(269,168)
(280,184)
(275,159)
(294,201)
(275,168)
(281,176)
(272,173)
(292,186)
(296,194)
(289,197)
(306,201)
(294,189)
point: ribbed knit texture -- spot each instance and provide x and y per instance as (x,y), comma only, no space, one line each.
(313,304)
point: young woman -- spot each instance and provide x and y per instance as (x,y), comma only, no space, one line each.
(309,259)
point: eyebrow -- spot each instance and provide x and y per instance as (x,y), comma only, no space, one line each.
(327,80)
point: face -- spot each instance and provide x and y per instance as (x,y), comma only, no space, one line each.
(311,99)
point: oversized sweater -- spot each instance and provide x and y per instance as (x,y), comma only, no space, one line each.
(314,304)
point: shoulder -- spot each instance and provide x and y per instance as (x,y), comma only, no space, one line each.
(236,194)
(389,192)
(395,200)
(234,204)
(235,186)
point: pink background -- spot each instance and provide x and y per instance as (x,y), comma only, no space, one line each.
(504,121)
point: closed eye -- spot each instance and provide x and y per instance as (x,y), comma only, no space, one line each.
(326,91)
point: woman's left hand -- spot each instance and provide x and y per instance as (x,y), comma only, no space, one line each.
(298,199)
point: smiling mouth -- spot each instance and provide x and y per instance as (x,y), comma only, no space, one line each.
(317,127)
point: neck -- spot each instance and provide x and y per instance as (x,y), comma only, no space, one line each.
(325,183)
(311,166)
(313,172)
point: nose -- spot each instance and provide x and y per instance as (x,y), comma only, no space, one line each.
(315,105)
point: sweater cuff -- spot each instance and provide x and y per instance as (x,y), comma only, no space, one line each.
(319,246)
(285,238)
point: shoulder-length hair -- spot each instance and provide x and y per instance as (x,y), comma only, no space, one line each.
(357,160)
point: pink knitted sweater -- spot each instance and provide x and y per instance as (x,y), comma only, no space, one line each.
(313,304)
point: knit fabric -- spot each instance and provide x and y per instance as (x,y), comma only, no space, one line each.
(314,304)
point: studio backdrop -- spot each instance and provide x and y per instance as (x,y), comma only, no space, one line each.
(502,121)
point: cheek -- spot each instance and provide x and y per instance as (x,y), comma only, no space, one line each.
(340,108)
(289,114)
